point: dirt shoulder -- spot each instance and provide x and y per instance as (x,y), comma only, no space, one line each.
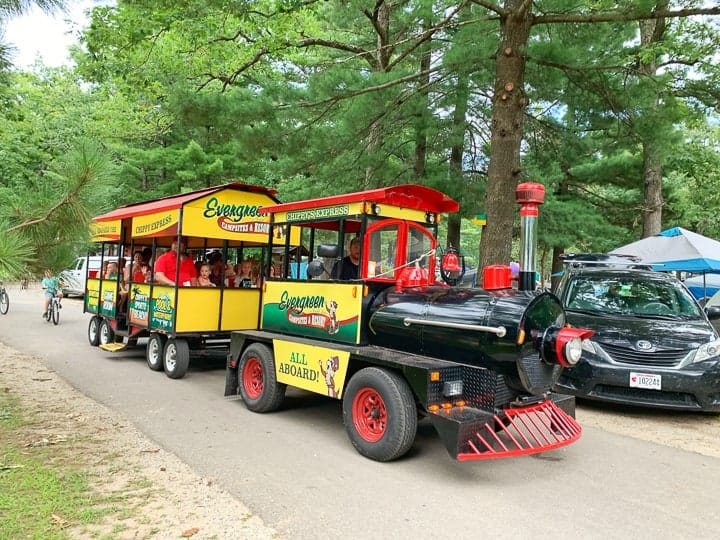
(163,497)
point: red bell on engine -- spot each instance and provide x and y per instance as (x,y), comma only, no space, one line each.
(450,262)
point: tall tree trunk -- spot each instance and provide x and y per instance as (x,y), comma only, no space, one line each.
(509,103)
(652,31)
(381,23)
(652,184)
(557,263)
(457,144)
(422,113)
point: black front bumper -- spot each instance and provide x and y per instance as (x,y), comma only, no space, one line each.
(693,388)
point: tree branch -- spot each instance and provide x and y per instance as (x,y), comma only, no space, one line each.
(620,17)
(490,6)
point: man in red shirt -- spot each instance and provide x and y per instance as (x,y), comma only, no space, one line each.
(166,267)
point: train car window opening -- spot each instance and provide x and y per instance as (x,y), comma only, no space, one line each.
(381,250)
(293,260)
(421,248)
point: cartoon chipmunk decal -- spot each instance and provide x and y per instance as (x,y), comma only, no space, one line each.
(333,325)
(332,365)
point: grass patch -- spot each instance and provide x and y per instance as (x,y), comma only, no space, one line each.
(38,500)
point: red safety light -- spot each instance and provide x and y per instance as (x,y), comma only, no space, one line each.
(568,345)
(497,276)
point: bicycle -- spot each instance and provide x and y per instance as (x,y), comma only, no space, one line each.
(53,312)
(4,299)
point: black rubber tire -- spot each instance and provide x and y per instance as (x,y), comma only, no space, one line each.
(263,393)
(154,351)
(94,331)
(4,302)
(399,408)
(55,312)
(176,358)
(107,334)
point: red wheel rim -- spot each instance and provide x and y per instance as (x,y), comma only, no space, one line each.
(253,378)
(369,414)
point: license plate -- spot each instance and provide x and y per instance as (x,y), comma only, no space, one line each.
(649,381)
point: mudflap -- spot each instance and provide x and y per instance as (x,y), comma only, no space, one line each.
(473,434)
(237,344)
(231,377)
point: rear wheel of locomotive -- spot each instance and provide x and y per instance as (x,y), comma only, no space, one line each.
(154,351)
(379,413)
(257,382)
(107,334)
(4,302)
(176,358)
(94,330)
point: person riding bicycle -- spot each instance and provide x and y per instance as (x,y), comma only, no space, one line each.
(51,284)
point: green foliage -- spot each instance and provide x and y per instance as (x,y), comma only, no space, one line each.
(318,98)
(22,253)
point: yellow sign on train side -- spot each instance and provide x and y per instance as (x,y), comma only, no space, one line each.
(230,214)
(317,369)
(163,223)
(105,231)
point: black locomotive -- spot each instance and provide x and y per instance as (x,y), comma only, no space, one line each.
(395,343)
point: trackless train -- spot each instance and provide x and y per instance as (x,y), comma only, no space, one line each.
(393,342)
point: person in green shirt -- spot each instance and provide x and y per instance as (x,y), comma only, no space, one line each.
(51,284)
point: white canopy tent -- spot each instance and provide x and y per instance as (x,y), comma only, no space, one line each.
(677,249)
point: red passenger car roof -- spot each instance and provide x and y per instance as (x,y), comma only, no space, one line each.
(404,196)
(177,201)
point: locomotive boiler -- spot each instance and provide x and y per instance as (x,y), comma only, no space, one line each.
(396,344)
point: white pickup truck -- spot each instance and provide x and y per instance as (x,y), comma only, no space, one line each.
(73,278)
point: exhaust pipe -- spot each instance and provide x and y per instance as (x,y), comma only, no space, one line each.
(529,195)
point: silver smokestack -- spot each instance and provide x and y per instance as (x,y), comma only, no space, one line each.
(529,195)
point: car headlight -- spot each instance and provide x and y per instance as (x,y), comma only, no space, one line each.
(588,346)
(707,350)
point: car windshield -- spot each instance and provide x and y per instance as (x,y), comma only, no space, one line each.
(630,296)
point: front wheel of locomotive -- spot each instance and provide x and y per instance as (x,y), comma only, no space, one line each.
(379,413)
(257,383)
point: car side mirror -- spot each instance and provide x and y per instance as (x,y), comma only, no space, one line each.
(713,312)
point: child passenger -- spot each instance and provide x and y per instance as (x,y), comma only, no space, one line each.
(204,277)
(245,277)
